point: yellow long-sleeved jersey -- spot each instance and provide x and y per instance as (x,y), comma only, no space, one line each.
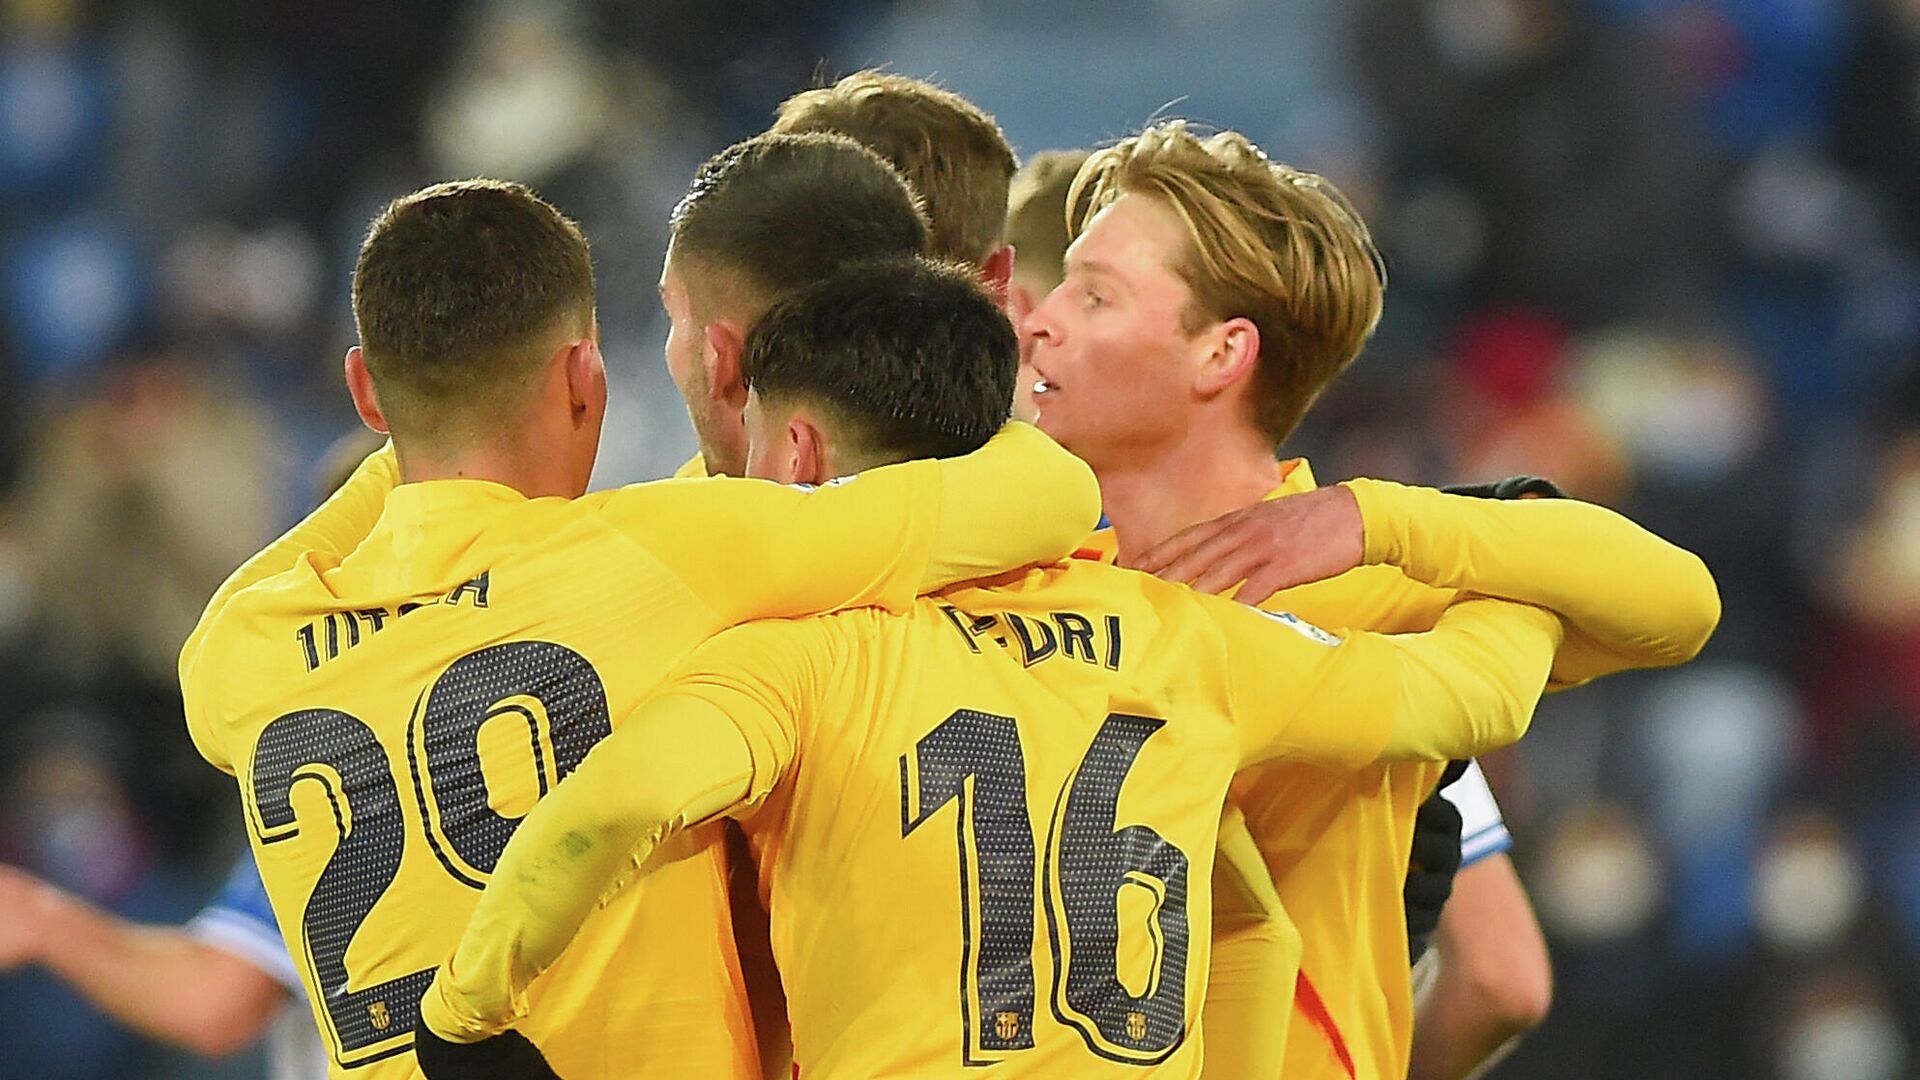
(391,713)
(975,823)
(1337,846)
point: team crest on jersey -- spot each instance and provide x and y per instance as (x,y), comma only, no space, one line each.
(377,1012)
(1302,627)
(1006,1024)
(1136,1026)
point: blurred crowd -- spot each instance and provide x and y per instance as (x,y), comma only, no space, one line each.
(1665,252)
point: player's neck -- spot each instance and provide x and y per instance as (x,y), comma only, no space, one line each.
(534,475)
(1154,495)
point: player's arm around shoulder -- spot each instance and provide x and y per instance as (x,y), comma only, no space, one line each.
(1628,592)
(763,550)
(334,529)
(1465,687)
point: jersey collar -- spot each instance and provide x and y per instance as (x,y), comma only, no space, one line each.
(1296,476)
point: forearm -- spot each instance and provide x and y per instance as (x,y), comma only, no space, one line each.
(1640,601)
(678,762)
(1020,499)
(1495,981)
(157,980)
(1452,1036)
(1469,685)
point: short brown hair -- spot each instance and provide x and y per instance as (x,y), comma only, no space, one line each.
(783,211)
(1037,213)
(1266,242)
(456,285)
(910,357)
(953,153)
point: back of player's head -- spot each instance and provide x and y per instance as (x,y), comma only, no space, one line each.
(910,358)
(1265,242)
(953,153)
(782,211)
(459,291)
(1037,216)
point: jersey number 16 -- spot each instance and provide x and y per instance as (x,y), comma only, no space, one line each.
(1088,863)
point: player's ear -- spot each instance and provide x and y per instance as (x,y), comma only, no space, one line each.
(586,373)
(809,448)
(360,388)
(996,271)
(1234,348)
(726,340)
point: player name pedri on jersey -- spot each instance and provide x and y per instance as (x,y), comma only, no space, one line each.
(326,638)
(1061,633)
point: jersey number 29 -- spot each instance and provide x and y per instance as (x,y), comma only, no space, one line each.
(520,680)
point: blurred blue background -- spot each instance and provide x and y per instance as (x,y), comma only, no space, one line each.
(1664,251)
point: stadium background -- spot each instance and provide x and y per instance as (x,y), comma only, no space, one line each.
(1664,251)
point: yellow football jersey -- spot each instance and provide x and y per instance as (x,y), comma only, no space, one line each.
(985,829)
(391,715)
(1338,845)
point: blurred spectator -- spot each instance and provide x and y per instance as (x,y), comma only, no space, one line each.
(1511,414)
(1552,145)
(65,817)
(1876,127)
(139,499)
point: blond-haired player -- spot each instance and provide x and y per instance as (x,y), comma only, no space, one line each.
(395,682)
(1495,981)
(949,149)
(1211,296)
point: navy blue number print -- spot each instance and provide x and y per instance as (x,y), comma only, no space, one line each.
(996,967)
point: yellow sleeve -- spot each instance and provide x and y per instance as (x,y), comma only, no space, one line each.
(1466,687)
(761,550)
(714,740)
(335,527)
(1253,965)
(1632,599)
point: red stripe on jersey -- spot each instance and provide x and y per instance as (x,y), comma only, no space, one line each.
(1310,1004)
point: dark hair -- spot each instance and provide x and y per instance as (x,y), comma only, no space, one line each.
(952,152)
(787,210)
(911,356)
(458,282)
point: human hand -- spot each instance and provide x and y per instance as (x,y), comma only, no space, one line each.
(25,902)
(1432,864)
(506,1056)
(1270,546)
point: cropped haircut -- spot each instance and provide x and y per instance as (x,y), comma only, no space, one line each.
(911,358)
(455,290)
(1266,242)
(952,153)
(1037,213)
(783,211)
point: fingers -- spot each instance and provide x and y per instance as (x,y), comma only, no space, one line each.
(1231,568)
(1192,551)
(1268,579)
(1169,551)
